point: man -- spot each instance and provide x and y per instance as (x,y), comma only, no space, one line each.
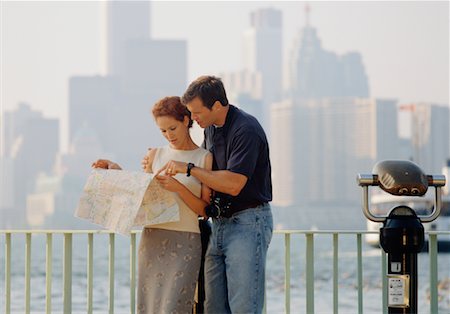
(241,215)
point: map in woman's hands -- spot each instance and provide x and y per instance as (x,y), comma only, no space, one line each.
(119,200)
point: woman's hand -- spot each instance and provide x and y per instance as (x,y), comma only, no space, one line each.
(105,164)
(145,163)
(169,183)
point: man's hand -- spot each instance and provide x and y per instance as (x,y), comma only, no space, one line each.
(105,164)
(173,167)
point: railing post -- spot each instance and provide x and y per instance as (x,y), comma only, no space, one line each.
(287,269)
(90,272)
(309,272)
(67,273)
(27,271)
(264,311)
(432,247)
(111,272)
(360,273)
(48,274)
(335,273)
(8,273)
(384,281)
(133,273)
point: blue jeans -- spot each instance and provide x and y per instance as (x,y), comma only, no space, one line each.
(235,262)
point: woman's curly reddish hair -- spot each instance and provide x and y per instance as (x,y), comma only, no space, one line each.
(171,106)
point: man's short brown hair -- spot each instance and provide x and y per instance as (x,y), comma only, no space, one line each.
(209,89)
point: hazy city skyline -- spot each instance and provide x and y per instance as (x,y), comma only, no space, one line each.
(404,45)
(327,115)
(361,82)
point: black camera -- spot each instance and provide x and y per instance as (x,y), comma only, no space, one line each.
(219,206)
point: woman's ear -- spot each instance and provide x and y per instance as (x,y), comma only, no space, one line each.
(186,121)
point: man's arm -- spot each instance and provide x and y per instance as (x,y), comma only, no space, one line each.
(223,181)
(218,180)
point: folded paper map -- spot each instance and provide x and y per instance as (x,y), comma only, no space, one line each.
(119,200)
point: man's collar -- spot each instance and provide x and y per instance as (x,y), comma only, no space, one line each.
(230,114)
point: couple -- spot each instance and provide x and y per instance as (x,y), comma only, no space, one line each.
(235,179)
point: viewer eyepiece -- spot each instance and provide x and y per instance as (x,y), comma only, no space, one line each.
(401,177)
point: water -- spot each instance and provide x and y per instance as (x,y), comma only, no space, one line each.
(275,275)
(347,278)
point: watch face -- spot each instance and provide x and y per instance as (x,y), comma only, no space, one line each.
(189,167)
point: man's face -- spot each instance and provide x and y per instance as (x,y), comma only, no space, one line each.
(200,113)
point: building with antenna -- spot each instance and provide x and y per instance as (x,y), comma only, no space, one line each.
(325,130)
(317,73)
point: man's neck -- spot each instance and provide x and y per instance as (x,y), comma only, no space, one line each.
(222,116)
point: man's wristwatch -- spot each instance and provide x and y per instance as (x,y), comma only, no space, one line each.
(189,168)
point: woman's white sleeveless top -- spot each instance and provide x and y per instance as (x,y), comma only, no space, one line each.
(188,219)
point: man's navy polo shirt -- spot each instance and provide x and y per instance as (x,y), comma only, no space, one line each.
(240,146)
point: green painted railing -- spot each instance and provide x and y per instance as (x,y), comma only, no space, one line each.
(288,235)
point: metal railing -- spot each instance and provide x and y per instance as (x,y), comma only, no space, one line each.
(309,238)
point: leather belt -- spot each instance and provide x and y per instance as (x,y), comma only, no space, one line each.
(235,209)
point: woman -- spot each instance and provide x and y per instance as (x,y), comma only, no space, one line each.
(170,253)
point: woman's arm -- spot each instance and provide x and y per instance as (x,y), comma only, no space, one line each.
(196,204)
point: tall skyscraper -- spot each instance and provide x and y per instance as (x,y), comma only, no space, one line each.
(31,145)
(316,72)
(388,142)
(263,51)
(127,20)
(323,132)
(429,135)
(319,145)
(141,71)
(6,192)
(259,83)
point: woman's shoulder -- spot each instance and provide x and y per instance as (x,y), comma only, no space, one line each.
(202,150)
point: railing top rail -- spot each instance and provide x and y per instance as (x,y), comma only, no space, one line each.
(283,231)
(323,231)
(438,232)
(62,231)
(278,231)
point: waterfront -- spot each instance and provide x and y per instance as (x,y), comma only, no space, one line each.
(348,299)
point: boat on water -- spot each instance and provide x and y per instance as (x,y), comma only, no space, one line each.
(382,203)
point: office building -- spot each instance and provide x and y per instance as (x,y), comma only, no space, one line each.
(141,70)
(31,145)
(126,21)
(320,145)
(263,51)
(318,73)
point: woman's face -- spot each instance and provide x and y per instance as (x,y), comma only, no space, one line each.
(176,132)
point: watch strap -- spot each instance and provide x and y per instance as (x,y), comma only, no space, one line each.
(189,168)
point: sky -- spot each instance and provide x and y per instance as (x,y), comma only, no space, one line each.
(404,45)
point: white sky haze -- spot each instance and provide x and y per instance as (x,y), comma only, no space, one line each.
(404,45)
